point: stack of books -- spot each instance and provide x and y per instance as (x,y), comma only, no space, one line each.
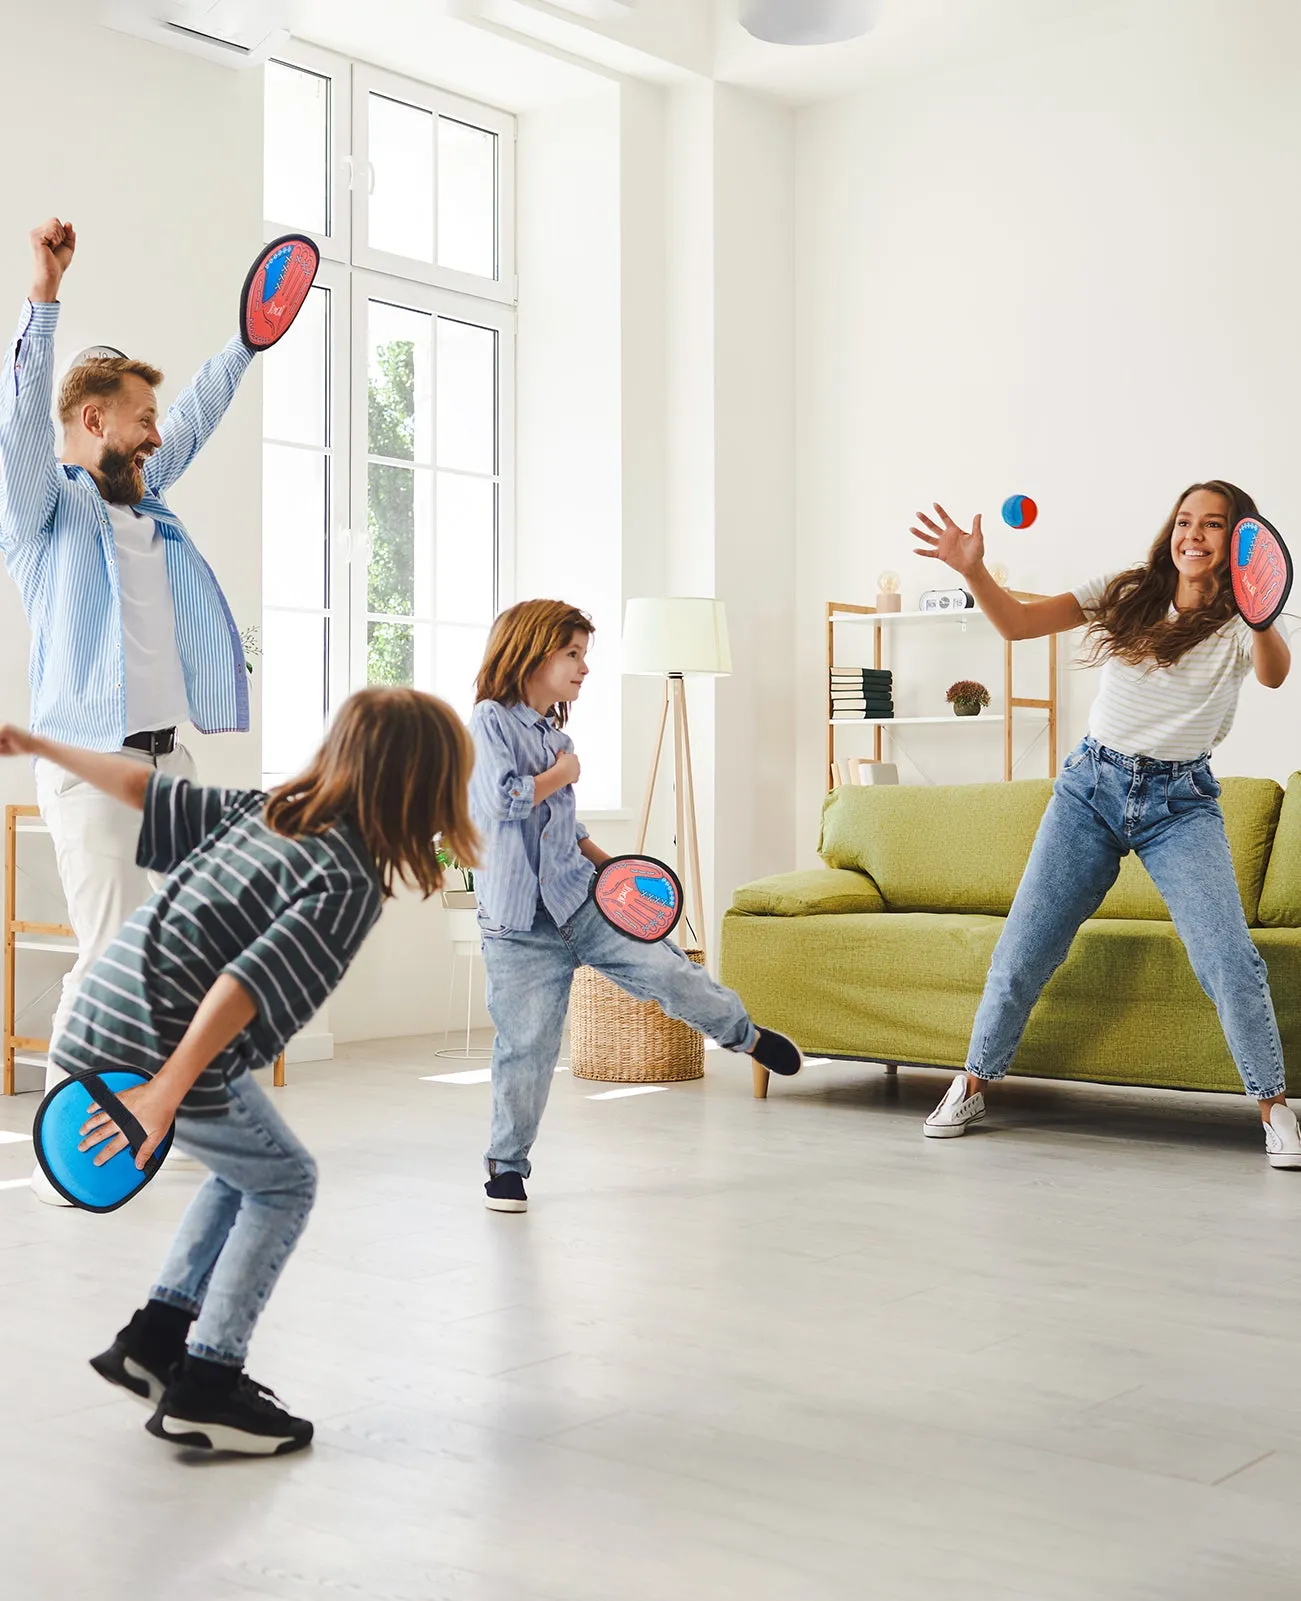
(858,693)
(858,771)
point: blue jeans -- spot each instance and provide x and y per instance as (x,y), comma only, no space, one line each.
(1105,805)
(529,976)
(237,1234)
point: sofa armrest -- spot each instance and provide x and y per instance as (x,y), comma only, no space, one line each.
(823,890)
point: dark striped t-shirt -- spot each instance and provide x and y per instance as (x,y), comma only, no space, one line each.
(284,917)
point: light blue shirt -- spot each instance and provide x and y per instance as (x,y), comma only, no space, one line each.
(530,853)
(58,546)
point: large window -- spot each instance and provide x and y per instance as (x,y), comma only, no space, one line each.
(386,463)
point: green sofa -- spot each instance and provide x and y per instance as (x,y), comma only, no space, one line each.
(881,955)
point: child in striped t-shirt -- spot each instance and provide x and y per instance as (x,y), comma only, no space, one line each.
(267,901)
(1175,654)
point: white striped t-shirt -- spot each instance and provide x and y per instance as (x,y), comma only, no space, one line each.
(1172,714)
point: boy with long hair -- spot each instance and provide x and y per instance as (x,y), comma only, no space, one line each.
(538,919)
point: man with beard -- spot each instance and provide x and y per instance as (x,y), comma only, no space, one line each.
(131,635)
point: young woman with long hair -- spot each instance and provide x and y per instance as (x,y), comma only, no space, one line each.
(1174,654)
(267,901)
(535,881)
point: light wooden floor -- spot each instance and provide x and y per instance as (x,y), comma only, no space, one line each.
(775,1352)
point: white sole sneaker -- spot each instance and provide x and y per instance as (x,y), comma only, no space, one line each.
(222,1437)
(1283,1138)
(44,1191)
(956,1112)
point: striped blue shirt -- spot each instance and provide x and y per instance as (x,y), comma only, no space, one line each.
(530,852)
(58,546)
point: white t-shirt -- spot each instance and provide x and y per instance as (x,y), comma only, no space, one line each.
(1172,714)
(155,679)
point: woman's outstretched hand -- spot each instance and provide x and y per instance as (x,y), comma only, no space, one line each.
(948,543)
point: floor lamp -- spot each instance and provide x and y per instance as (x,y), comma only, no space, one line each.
(672,636)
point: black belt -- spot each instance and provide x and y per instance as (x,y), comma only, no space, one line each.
(157,741)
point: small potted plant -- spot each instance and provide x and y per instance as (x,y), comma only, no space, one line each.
(967,697)
(462,904)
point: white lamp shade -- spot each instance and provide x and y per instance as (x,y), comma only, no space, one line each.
(807,21)
(676,634)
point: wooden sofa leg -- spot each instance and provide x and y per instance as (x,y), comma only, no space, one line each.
(760,1082)
(891,1067)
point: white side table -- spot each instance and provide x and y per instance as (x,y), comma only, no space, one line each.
(467,955)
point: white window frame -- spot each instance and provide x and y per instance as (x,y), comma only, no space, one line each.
(334,277)
(367,286)
(349,273)
(370,80)
(336,244)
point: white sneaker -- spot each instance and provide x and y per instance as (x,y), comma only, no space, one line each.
(957,1111)
(1282,1137)
(43,1190)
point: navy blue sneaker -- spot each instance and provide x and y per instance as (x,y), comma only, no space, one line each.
(778,1054)
(505,1193)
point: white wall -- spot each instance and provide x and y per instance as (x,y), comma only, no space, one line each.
(1068,273)
(755,487)
(730,466)
(568,399)
(149,152)
(156,157)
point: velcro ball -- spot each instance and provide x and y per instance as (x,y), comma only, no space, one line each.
(1019,511)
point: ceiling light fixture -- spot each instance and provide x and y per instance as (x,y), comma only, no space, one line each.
(807,21)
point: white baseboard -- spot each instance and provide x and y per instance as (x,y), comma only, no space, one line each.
(310,1048)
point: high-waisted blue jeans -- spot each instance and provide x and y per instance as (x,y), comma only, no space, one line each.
(1105,805)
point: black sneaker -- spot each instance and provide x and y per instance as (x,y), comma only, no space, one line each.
(142,1357)
(222,1409)
(505,1193)
(778,1054)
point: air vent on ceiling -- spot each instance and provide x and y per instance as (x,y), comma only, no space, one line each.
(237,33)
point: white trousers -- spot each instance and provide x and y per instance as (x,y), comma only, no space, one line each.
(95,841)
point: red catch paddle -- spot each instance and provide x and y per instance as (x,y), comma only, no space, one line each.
(275,289)
(639,896)
(1260,569)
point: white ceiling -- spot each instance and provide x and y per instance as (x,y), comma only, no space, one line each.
(908,34)
(522,53)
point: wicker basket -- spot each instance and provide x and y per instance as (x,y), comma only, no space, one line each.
(615,1038)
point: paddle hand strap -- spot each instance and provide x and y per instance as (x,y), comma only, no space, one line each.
(127,1122)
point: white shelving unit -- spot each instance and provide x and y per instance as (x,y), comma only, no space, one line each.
(843,615)
(897,722)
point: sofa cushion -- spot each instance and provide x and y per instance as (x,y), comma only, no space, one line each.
(963,847)
(1280,899)
(942,848)
(825,889)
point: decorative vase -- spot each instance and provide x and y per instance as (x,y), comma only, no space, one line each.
(966,708)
